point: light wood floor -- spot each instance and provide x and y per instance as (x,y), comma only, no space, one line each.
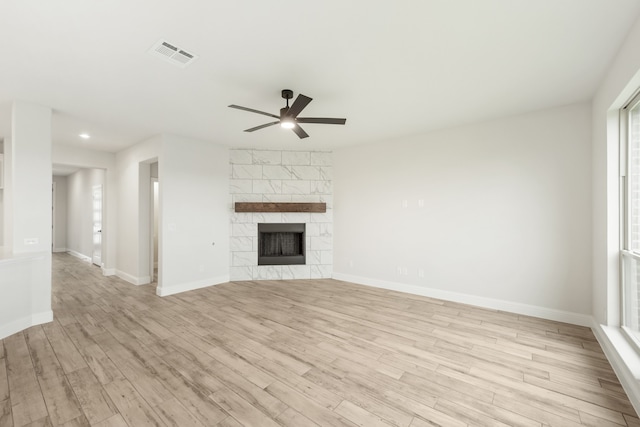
(302,353)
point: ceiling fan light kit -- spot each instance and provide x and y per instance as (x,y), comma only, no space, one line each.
(288,118)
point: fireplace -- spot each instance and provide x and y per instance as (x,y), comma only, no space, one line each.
(281,244)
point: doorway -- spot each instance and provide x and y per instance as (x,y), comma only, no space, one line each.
(97,225)
(154,230)
(53,216)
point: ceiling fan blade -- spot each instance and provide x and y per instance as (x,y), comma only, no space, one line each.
(300,132)
(323,120)
(298,105)
(262,126)
(251,110)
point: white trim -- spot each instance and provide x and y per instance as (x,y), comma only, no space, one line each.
(1,171)
(24,323)
(632,337)
(57,250)
(623,358)
(144,280)
(54,210)
(630,254)
(495,304)
(79,255)
(108,271)
(164,291)
(40,318)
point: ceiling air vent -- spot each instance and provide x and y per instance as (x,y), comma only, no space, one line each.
(172,54)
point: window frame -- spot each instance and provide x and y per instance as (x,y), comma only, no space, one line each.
(625,214)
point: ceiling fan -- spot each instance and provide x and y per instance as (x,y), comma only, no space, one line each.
(288,117)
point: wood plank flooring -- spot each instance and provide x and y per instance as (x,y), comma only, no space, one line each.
(297,353)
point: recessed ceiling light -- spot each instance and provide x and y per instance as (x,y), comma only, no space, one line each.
(84,136)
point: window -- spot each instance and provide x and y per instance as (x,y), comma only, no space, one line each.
(630,133)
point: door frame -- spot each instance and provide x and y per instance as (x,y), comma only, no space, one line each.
(152,220)
(53,216)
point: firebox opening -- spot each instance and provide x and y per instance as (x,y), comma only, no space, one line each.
(281,244)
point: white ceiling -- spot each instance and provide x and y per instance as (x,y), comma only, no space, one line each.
(392,68)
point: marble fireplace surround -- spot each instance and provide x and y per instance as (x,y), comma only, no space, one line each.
(276,177)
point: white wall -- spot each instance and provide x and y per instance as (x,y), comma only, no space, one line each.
(130,241)
(194,203)
(7,220)
(2,199)
(31,181)
(25,286)
(25,263)
(506,216)
(193,213)
(80,210)
(60,214)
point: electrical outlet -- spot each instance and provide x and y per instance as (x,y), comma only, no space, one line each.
(421,273)
(421,203)
(405,272)
(399,269)
(31,241)
(405,204)
(350,263)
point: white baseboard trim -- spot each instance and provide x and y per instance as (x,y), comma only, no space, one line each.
(495,304)
(56,250)
(108,271)
(144,280)
(40,318)
(190,286)
(79,255)
(25,322)
(623,358)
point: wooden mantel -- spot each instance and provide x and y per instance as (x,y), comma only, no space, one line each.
(280,207)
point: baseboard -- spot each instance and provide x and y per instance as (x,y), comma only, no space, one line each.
(24,323)
(40,318)
(79,255)
(495,304)
(190,286)
(108,271)
(144,280)
(56,250)
(623,358)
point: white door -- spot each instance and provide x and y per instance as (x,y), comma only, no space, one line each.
(97,225)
